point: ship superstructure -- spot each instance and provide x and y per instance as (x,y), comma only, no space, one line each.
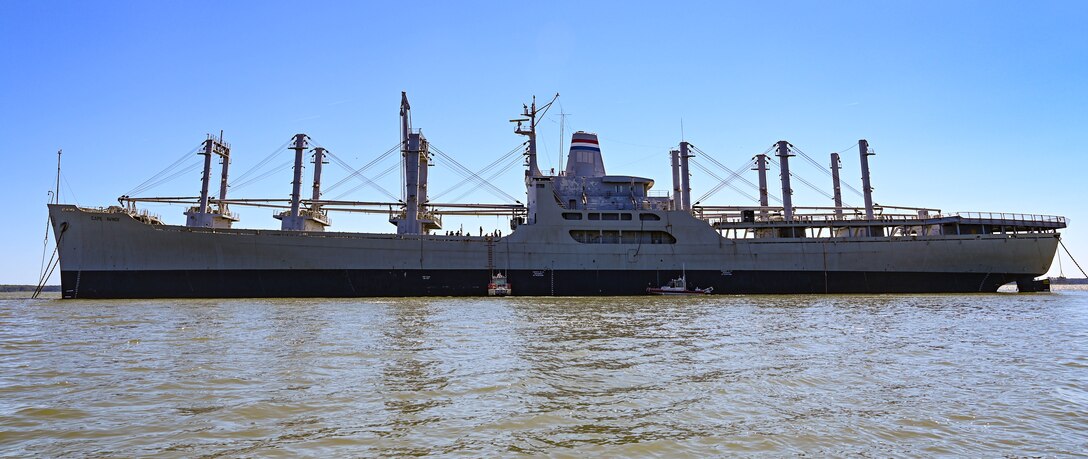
(580,232)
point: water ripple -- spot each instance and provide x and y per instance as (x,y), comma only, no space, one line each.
(868,375)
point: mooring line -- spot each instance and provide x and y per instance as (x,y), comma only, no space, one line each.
(1071,258)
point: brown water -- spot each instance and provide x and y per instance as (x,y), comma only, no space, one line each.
(919,375)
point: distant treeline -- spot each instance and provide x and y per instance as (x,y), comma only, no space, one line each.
(1068,281)
(28,288)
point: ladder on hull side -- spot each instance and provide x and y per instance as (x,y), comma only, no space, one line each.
(490,255)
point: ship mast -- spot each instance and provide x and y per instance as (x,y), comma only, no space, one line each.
(295,218)
(405,119)
(415,154)
(787,191)
(202,215)
(866,186)
(761,169)
(530,112)
(409,147)
(677,200)
(685,176)
(532,173)
(223,178)
(296,184)
(836,164)
(319,159)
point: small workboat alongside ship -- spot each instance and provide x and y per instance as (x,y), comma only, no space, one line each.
(582,231)
(678,286)
(499,286)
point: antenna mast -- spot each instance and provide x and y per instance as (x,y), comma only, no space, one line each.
(56,196)
(531,113)
(562,134)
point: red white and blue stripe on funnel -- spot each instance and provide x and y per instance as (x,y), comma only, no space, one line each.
(584,141)
(584,159)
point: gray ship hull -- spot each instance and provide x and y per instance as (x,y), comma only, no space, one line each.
(107,253)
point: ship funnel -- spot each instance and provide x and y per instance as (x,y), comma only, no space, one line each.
(584,159)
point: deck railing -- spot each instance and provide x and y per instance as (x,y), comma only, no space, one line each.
(889,219)
(1020,218)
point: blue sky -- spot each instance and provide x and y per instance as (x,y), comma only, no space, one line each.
(970,106)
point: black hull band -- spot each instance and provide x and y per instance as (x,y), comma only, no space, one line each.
(545,282)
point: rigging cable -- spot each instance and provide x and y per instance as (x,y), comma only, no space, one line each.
(513,153)
(70,190)
(263,176)
(806,182)
(510,164)
(824,170)
(148,184)
(1071,258)
(241,178)
(731,171)
(173,176)
(1061,271)
(54,260)
(45,242)
(851,147)
(358,173)
(371,183)
(511,160)
(458,167)
(722,182)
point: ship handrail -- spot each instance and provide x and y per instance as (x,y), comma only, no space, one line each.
(915,219)
(1008,216)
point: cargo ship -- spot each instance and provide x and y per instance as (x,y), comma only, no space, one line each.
(581,231)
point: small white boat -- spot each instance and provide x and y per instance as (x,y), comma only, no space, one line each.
(678,286)
(498,286)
